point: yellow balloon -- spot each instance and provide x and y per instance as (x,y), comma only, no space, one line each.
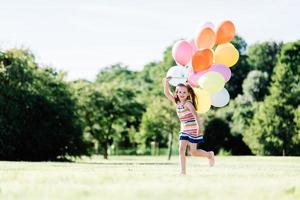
(203,100)
(212,82)
(226,54)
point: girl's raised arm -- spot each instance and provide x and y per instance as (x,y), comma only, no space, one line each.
(167,89)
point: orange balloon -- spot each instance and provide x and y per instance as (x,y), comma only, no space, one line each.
(202,60)
(225,32)
(205,39)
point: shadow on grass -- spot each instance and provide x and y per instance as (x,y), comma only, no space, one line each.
(126,163)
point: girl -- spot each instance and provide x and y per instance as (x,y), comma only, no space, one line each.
(190,133)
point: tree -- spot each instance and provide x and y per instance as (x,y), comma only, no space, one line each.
(273,129)
(296,136)
(263,56)
(159,123)
(37,111)
(119,76)
(152,75)
(218,135)
(107,111)
(245,105)
(240,70)
(255,86)
(244,110)
(215,135)
(116,73)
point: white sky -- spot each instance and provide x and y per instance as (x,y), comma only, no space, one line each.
(82,36)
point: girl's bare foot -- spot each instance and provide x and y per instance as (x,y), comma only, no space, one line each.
(211,158)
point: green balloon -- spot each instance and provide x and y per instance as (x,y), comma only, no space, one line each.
(212,82)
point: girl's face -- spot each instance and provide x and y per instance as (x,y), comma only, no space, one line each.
(182,93)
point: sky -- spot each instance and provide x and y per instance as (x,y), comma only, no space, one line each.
(83,36)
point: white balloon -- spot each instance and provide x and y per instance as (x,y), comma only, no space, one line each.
(220,98)
(179,74)
(189,67)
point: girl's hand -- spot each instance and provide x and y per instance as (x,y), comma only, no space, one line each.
(199,131)
(168,78)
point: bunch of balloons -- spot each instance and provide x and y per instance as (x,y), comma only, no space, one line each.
(204,62)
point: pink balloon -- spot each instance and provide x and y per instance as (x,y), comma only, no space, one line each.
(182,52)
(208,25)
(222,69)
(194,77)
(193,45)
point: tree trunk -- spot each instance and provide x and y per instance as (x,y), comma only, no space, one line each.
(96,146)
(105,155)
(284,145)
(170,145)
(157,148)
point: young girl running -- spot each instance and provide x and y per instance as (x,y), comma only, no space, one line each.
(190,133)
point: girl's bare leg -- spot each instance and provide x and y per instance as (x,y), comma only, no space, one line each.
(199,152)
(182,148)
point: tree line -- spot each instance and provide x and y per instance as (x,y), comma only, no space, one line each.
(45,117)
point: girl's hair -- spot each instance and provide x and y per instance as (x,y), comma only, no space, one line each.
(191,96)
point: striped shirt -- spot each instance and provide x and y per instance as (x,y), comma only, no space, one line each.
(188,122)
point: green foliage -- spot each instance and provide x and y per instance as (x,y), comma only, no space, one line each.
(157,123)
(153,73)
(263,56)
(119,74)
(272,131)
(240,44)
(296,136)
(218,137)
(240,70)
(37,111)
(255,85)
(108,113)
(244,110)
(216,132)
(42,117)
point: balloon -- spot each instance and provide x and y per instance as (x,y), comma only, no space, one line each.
(179,75)
(205,39)
(182,52)
(193,45)
(202,60)
(211,81)
(222,69)
(225,32)
(203,100)
(208,25)
(226,54)
(194,77)
(220,98)
(189,68)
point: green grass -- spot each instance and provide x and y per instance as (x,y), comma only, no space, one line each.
(124,178)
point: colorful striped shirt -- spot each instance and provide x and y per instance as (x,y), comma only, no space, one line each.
(189,127)
(188,122)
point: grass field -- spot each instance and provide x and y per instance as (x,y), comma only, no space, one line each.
(125,178)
